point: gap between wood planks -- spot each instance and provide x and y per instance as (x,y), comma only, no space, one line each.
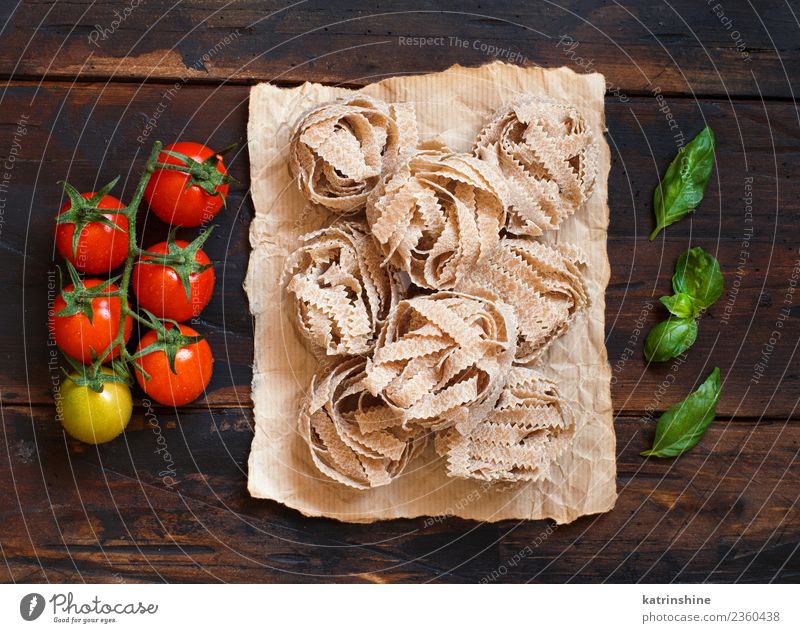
(621,416)
(247,407)
(22,79)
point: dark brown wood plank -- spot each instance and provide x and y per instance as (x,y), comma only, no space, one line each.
(727,511)
(684,46)
(88,134)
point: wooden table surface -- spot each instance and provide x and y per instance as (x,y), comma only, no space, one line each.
(81,80)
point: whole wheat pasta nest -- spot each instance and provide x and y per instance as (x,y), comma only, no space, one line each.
(543,285)
(520,440)
(437,214)
(353,437)
(339,150)
(443,358)
(338,290)
(549,158)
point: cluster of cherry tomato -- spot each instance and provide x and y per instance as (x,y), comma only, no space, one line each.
(185,185)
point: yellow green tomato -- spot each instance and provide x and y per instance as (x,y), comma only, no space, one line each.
(95,418)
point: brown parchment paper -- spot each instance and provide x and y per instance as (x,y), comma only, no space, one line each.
(451,106)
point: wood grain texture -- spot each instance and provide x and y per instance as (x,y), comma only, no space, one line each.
(684,46)
(87,134)
(168,500)
(723,512)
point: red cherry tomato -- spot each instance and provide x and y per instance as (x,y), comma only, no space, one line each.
(78,338)
(175,203)
(193,365)
(159,289)
(101,248)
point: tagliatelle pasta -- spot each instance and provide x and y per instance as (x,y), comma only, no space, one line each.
(549,158)
(339,150)
(353,437)
(543,285)
(339,291)
(452,107)
(519,440)
(437,214)
(442,359)
(445,357)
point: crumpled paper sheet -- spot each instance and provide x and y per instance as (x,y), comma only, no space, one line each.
(451,106)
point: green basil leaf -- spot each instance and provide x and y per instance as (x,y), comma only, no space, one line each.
(681,305)
(697,274)
(685,182)
(683,425)
(669,339)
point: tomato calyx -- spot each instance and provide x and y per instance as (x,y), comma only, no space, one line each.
(79,299)
(205,175)
(168,340)
(180,258)
(95,375)
(83,211)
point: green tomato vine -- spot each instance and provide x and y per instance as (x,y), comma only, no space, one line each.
(79,300)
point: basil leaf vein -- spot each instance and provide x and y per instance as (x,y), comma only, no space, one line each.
(683,425)
(685,181)
(697,274)
(669,339)
(681,305)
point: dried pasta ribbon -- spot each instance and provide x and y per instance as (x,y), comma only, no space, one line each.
(338,290)
(340,149)
(543,285)
(437,214)
(549,157)
(353,437)
(442,359)
(520,440)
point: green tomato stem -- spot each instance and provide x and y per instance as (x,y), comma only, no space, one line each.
(137,317)
(134,251)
